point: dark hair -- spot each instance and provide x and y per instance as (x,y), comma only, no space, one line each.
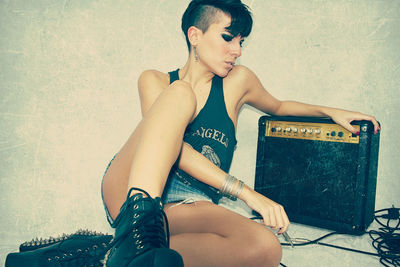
(201,14)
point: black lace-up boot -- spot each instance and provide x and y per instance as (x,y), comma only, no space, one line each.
(140,238)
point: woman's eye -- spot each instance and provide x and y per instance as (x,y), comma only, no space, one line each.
(227,37)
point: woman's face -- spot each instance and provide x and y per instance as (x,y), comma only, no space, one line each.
(218,49)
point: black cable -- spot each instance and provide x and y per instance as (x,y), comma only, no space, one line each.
(305,242)
(386,240)
(387,245)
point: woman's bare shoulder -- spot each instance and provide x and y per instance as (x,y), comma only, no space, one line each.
(241,72)
(240,76)
(153,78)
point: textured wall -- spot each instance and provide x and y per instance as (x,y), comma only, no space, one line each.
(68,96)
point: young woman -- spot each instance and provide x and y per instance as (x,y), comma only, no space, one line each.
(177,159)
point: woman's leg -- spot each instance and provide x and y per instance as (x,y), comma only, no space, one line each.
(147,157)
(209,235)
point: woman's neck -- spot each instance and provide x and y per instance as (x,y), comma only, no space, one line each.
(195,73)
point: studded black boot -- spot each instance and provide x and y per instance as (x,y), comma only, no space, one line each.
(83,248)
(140,238)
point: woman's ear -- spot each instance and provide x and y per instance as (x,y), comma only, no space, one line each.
(194,35)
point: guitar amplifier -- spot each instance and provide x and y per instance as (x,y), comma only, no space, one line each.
(322,174)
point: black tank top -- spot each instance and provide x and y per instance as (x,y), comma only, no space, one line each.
(211,133)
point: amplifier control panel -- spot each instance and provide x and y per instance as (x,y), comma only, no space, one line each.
(311,131)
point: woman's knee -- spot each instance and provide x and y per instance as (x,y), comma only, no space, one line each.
(262,249)
(271,249)
(184,93)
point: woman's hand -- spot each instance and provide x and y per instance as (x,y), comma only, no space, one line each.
(344,118)
(273,213)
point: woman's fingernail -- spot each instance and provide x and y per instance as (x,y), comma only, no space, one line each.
(357,133)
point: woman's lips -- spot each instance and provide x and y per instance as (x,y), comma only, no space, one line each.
(230,64)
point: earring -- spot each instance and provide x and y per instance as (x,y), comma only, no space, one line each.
(196,56)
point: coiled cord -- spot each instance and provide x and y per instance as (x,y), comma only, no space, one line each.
(386,240)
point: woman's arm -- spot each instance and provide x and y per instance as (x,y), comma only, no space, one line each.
(258,97)
(198,166)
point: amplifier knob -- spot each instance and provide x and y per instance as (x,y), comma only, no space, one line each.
(333,133)
(278,129)
(294,130)
(309,131)
(303,130)
(288,129)
(317,131)
(340,134)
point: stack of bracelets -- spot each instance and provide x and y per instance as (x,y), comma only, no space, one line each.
(232,187)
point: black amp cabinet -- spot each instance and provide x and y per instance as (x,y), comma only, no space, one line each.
(322,174)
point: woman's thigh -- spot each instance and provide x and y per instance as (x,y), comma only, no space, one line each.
(245,238)
(115,180)
(207,217)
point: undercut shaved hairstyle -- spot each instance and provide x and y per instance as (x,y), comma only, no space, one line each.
(203,13)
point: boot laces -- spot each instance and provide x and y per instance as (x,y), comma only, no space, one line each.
(151,229)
